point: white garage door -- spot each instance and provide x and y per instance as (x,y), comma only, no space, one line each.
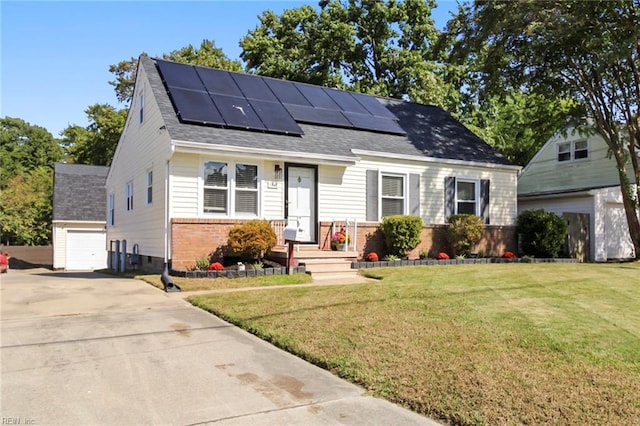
(619,245)
(86,250)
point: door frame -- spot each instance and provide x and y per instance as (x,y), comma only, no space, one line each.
(314,202)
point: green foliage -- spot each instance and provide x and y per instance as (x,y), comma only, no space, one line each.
(96,143)
(202,263)
(542,233)
(252,239)
(464,232)
(378,47)
(401,233)
(390,258)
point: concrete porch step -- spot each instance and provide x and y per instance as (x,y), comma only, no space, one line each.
(318,266)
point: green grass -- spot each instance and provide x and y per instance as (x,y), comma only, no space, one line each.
(469,344)
(193,284)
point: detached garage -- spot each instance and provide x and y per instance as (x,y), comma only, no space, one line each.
(79,217)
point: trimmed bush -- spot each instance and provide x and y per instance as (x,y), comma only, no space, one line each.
(401,233)
(251,240)
(542,233)
(464,232)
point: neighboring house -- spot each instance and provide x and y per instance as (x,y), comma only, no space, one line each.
(79,225)
(203,150)
(573,177)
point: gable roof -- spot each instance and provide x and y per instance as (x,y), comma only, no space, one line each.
(430,132)
(79,192)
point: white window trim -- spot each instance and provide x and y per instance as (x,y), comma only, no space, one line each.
(129,196)
(572,151)
(231,188)
(405,204)
(476,183)
(149,186)
(111,220)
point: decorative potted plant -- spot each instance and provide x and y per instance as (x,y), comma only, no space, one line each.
(340,240)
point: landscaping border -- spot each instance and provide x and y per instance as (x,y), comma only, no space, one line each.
(233,273)
(471,261)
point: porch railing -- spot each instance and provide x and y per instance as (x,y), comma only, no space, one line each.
(278,226)
(350,228)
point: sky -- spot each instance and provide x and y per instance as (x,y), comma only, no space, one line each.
(55,56)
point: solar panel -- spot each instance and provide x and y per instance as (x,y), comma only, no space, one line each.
(346,101)
(180,75)
(218,82)
(237,112)
(378,124)
(318,115)
(317,96)
(373,106)
(276,118)
(195,107)
(253,87)
(286,92)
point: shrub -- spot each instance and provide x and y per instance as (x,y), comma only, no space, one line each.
(215,266)
(423,254)
(373,257)
(202,264)
(401,233)
(542,233)
(251,240)
(443,256)
(464,232)
(391,258)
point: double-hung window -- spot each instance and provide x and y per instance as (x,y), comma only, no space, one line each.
(141,107)
(466,197)
(392,198)
(216,187)
(230,189)
(573,150)
(130,196)
(111,214)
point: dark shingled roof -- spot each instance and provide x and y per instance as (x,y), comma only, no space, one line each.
(431,132)
(79,192)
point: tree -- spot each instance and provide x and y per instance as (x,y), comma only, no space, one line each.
(377,47)
(96,143)
(206,55)
(587,51)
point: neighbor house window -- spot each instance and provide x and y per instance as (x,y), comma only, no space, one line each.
(246,189)
(216,187)
(466,197)
(231,188)
(149,187)
(112,216)
(129,196)
(141,107)
(392,198)
(575,150)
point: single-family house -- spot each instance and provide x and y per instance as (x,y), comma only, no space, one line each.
(79,225)
(205,149)
(573,176)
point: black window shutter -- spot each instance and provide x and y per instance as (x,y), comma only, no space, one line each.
(372,195)
(449,197)
(414,194)
(484,200)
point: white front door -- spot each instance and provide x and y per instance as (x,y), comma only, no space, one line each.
(301,200)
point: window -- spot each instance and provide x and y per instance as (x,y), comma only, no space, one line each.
(149,187)
(230,188)
(392,197)
(141,107)
(575,150)
(246,197)
(111,220)
(129,196)
(466,197)
(216,186)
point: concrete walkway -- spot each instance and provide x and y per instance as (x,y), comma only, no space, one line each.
(92,349)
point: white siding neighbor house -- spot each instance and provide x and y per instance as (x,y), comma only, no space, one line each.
(79,225)
(573,177)
(205,149)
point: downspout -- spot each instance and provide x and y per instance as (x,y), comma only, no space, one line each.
(169,285)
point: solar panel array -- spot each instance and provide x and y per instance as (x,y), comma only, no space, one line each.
(210,96)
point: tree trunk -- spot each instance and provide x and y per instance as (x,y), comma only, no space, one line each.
(629,205)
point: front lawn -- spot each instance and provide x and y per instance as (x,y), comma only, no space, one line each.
(469,344)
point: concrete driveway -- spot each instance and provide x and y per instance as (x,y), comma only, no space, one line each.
(92,349)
